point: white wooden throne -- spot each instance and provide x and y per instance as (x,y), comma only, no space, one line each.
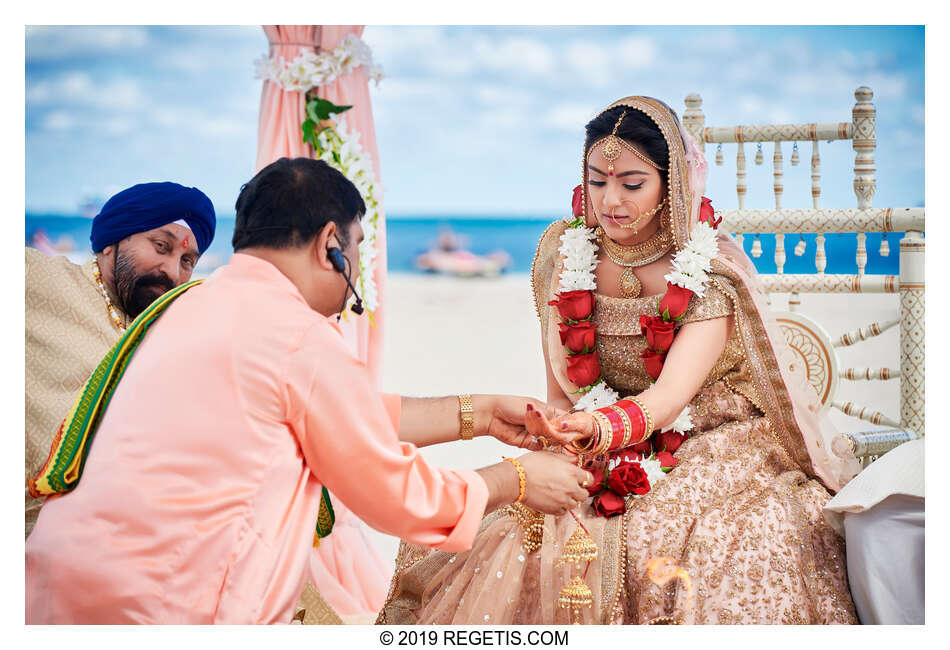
(817,350)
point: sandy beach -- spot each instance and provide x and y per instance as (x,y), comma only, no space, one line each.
(445,336)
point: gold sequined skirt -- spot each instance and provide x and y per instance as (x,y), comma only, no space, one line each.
(734,534)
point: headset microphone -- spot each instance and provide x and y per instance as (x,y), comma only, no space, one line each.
(339,263)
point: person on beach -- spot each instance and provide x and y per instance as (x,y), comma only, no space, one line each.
(146,240)
(216,443)
(711,464)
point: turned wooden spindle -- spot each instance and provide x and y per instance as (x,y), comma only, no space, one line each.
(864,141)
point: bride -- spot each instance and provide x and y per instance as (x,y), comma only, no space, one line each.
(710,465)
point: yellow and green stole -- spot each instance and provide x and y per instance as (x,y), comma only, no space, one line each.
(67,456)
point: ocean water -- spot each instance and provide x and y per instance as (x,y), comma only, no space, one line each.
(408,236)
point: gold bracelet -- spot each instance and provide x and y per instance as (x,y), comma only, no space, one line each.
(467,417)
(606,430)
(647,418)
(583,450)
(521,479)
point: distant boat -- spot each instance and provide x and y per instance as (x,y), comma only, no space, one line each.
(448,257)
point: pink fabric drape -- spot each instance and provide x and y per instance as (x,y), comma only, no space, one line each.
(282,111)
(346,568)
(279,135)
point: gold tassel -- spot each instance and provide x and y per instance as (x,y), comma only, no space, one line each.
(532,526)
(579,548)
(574,595)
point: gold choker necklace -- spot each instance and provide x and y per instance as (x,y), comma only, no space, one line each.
(631,257)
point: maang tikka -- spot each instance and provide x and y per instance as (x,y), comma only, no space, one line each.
(611,148)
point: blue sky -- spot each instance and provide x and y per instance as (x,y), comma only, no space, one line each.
(469,119)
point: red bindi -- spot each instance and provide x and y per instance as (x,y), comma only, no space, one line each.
(184,243)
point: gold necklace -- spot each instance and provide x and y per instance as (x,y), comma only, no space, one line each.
(631,257)
(113,314)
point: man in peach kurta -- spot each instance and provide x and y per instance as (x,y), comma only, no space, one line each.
(199,497)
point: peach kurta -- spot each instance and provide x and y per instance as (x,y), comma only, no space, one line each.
(199,497)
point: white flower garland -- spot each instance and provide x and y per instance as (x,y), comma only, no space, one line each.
(690,271)
(691,265)
(311,69)
(341,149)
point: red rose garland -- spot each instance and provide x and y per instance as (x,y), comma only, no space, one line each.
(631,472)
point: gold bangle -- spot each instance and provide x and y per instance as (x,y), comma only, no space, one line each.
(606,433)
(647,418)
(592,442)
(521,479)
(467,417)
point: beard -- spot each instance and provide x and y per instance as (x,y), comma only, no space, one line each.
(136,291)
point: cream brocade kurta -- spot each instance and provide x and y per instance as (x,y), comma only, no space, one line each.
(68,331)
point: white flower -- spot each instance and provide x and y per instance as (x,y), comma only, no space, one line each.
(580,260)
(694,284)
(654,472)
(311,69)
(577,281)
(599,396)
(682,423)
(703,241)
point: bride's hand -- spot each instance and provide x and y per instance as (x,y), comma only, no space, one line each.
(562,430)
(509,417)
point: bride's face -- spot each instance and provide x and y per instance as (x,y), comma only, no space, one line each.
(620,198)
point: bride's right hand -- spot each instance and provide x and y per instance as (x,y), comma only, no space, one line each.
(561,430)
(553,484)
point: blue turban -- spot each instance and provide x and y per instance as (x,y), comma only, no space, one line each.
(148,206)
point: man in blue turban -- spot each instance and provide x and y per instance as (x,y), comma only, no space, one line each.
(146,240)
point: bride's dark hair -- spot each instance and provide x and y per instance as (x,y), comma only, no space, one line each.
(637,129)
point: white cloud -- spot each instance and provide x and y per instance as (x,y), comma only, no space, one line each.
(57,121)
(569,116)
(67,42)
(502,95)
(637,51)
(590,61)
(518,54)
(79,89)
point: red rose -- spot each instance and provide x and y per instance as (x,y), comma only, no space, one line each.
(599,484)
(608,504)
(667,460)
(659,332)
(653,362)
(627,478)
(583,369)
(577,201)
(574,305)
(667,441)
(579,337)
(674,302)
(707,214)
(642,448)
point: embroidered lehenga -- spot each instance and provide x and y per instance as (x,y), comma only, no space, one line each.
(740,514)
